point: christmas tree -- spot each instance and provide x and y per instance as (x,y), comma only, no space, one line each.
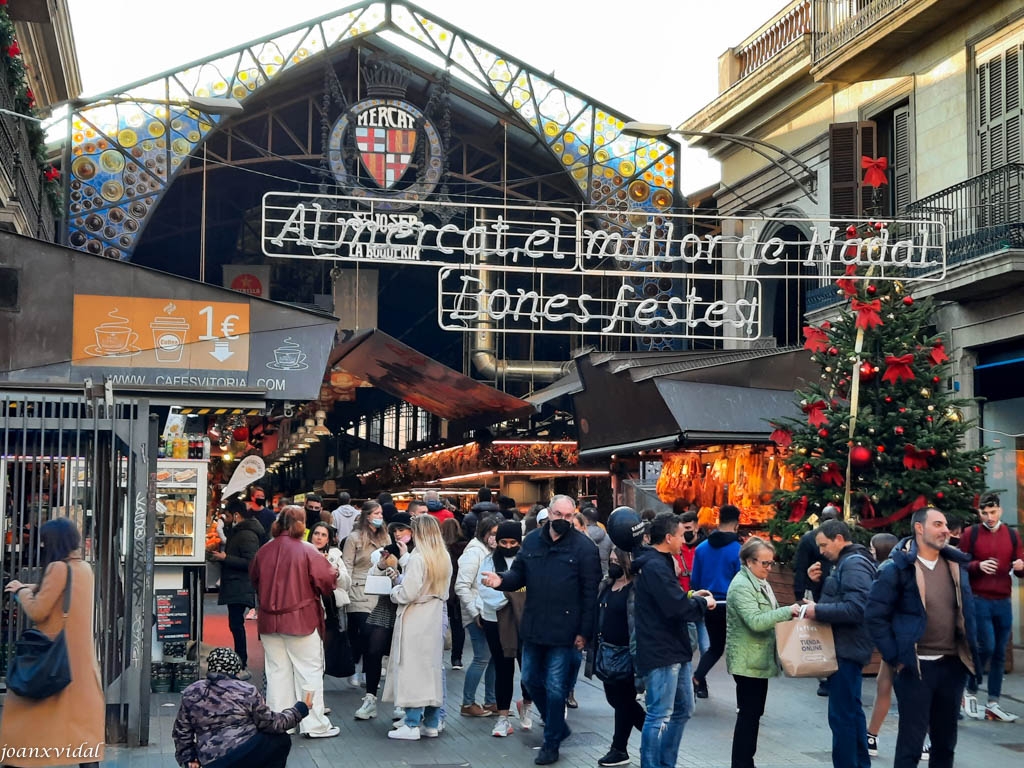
(881,433)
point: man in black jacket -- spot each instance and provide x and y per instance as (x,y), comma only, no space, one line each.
(843,599)
(663,652)
(560,569)
(483,508)
(807,555)
(236,590)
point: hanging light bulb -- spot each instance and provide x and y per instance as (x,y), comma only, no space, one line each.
(321,429)
(310,435)
(300,439)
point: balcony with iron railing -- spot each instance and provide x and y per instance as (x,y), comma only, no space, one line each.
(983,218)
(26,195)
(853,40)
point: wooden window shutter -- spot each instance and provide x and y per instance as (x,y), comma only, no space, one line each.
(999,109)
(848,197)
(902,154)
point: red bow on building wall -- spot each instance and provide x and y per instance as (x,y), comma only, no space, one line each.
(867,313)
(898,368)
(874,170)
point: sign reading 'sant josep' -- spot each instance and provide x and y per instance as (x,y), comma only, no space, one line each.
(541,269)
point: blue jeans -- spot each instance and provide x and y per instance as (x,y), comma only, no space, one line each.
(546,677)
(669,706)
(482,666)
(995,622)
(699,639)
(574,669)
(428,717)
(846,717)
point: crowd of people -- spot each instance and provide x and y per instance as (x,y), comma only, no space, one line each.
(378,597)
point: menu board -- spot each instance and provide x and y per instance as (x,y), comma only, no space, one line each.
(173,614)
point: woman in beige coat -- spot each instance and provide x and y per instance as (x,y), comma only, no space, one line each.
(368,535)
(415,668)
(73,717)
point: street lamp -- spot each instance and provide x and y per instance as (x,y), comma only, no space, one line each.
(660,130)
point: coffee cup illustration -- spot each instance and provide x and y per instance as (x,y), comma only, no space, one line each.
(288,357)
(170,334)
(114,338)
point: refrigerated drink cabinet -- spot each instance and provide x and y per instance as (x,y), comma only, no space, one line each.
(180,511)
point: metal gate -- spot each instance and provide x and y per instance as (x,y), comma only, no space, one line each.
(86,456)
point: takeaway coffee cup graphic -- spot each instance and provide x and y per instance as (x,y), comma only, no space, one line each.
(288,357)
(170,335)
(114,338)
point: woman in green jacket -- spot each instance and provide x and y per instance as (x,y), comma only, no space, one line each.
(752,612)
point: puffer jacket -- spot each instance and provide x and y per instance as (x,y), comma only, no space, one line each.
(344,583)
(467,583)
(843,599)
(600,536)
(356,554)
(244,541)
(895,613)
(750,627)
(662,611)
(220,717)
(489,601)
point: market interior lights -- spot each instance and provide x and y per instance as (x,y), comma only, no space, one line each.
(539,472)
(469,476)
(310,435)
(321,429)
(534,442)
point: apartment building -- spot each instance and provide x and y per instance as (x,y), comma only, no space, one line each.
(935,87)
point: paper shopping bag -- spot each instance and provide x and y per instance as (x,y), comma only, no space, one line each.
(806,648)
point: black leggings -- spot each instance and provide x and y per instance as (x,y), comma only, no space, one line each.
(378,645)
(357,630)
(621,694)
(715,623)
(504,667)
(236,623)
(458,631)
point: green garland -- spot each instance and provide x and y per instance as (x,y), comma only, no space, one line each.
(15,76)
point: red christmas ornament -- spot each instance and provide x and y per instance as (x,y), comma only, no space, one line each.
(936,379)
(872,290)
(240,434)
(833,351)
(902,410)
(860,455)
(851,231)
(880,448)
(940,495)
(976,469)
(888,399)
(808,467)
(822,432)
(929,419)
(899,491)
(898,430)
(908,300)
(867,371)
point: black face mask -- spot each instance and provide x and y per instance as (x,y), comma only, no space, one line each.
(615,571)
(560,527)
(689,536)
(506,552)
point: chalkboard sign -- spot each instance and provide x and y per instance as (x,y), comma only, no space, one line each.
(173,614)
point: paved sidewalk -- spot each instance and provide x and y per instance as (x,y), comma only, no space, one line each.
(794,731)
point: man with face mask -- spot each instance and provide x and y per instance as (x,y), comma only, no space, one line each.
(265,515)
(435,507)
(561,570)
(995,551)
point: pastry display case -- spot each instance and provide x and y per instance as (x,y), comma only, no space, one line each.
(180,511)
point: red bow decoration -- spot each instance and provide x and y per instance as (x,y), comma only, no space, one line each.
(938,353)
(915,459)
(51,174)
(875,169)
(847,286)
(867,509)
(14,49)
(880,522)
(798,510)
(867,313)
(898,368)
(781,437)
(832,475)
(815,413)
(817,339)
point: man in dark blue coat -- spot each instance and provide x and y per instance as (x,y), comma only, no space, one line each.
(561,570)
(920,614)
(843,597)
(663,651)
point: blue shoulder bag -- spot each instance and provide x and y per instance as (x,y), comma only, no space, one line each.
(40,667)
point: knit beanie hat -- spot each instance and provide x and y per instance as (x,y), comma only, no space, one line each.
(223,661)
(509,530)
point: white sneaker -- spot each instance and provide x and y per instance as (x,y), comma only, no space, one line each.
(431,733)
(251,615)
(971,708)
(525,719)
(440,728)
(503,727)
(994,712)
(354,680)
(405,733)
(925,751)
(332,731)
(368,708)
(398,713)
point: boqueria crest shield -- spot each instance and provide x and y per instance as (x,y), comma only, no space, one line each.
(385,147)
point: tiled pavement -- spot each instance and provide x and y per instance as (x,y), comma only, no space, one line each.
(794,732)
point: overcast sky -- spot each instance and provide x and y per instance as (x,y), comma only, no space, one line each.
(654,60)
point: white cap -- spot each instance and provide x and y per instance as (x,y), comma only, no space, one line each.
(542,516)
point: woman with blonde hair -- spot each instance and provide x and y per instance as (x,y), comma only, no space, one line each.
(415,669)
(367,536)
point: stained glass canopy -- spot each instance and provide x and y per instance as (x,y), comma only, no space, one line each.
(126,147)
